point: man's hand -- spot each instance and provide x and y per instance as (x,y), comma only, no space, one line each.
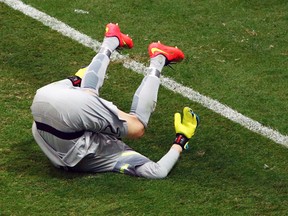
(185,129)
(189,123)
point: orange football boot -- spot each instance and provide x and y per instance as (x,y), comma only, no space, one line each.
(172,54)
(113,30)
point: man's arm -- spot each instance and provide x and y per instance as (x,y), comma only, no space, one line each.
(184,129)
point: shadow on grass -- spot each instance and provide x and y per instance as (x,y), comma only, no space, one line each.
(28,159)
(25,159)
(220,171)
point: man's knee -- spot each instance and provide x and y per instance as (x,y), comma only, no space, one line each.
(136,130)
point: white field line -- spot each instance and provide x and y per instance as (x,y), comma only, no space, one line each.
(189,93)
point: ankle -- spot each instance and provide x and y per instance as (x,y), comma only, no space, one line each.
(105,51)
(110,43)
(154,72)
(157,62)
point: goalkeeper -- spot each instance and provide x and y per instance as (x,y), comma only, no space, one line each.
(80,131)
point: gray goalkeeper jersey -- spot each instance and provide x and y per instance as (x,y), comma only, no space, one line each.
(69,110)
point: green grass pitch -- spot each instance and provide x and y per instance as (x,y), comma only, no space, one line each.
(236,52)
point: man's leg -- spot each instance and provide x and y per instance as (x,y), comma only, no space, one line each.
(95,74)
(145,98)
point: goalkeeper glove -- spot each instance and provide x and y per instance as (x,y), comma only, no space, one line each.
(185,129)
(80,73)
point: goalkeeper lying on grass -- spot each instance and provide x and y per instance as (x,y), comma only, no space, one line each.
(80,131)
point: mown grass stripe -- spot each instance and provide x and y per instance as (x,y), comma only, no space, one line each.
(170,84)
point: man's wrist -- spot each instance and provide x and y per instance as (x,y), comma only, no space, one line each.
(182,140)
(177,148)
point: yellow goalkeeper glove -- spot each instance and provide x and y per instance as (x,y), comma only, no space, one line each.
(185,129)
(80,73)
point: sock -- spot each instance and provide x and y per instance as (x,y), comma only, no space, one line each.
(110,43)
(158,62)
(145,98)
(95,74)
